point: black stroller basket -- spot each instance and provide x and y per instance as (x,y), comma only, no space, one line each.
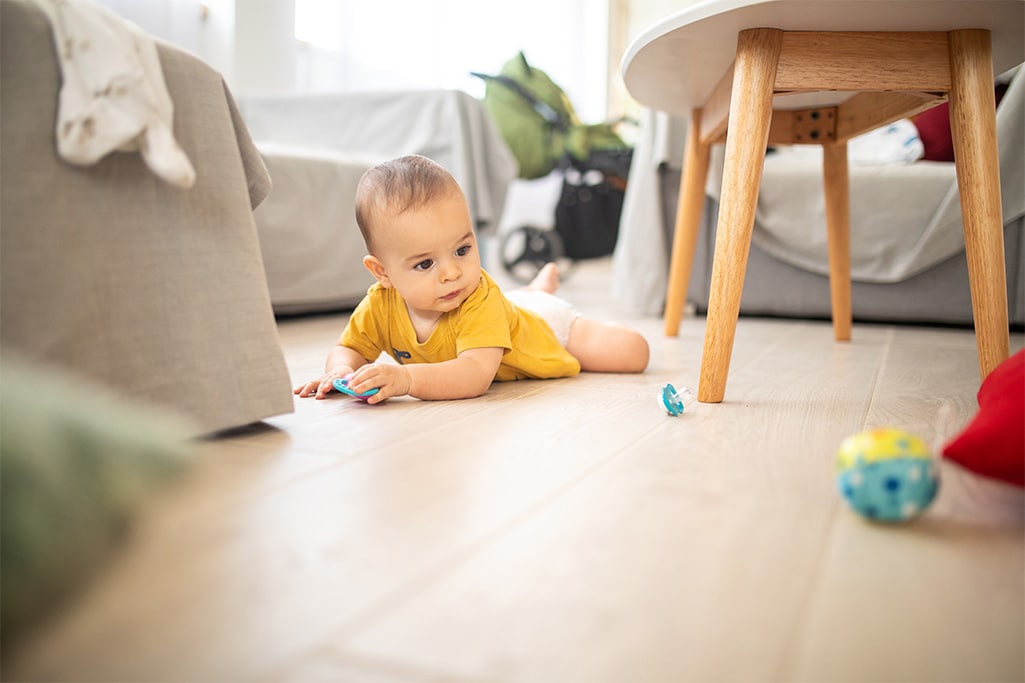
(588,212)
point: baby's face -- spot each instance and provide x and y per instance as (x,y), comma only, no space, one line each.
(430,255)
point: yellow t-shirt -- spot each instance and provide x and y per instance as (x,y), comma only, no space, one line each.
(486,319)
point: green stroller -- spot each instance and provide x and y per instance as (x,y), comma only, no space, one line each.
(544,133)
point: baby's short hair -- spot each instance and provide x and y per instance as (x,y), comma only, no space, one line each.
(399,185)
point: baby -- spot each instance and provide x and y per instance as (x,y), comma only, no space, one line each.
(443,319)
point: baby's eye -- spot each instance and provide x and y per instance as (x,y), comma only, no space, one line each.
(424,265)
(463,250)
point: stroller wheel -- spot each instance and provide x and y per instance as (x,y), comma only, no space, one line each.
(526,249)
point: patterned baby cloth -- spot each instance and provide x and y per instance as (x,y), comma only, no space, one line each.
(113,95)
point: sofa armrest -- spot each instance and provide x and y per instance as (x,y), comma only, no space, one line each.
(152,290)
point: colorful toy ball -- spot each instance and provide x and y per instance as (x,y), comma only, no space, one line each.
(887,474)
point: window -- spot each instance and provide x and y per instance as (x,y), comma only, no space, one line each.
(319,22)
(400,44)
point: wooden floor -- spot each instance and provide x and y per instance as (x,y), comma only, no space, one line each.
(569,530)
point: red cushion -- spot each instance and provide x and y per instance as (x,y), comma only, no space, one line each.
(934,129)
(993,443)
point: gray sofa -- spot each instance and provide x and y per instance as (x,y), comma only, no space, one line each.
(774,287)
(110,274)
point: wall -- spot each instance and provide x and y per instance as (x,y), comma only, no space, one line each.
(628,20)
(265,47)
(206,29)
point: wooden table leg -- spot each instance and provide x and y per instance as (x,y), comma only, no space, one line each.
(838,231)
(754,75)
(688,223)
(973,128)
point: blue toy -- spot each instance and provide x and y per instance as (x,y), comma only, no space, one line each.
(887,475)
(342,385)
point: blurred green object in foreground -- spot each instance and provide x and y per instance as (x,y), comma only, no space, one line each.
(75,462)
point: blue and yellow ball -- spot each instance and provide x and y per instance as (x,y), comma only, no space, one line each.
(887,474)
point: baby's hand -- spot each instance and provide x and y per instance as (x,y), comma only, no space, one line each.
(319,388)
(389,379)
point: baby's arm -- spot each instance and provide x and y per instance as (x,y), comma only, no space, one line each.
(467,376)
(340,362)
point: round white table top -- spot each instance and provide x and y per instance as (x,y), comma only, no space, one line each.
(674,65)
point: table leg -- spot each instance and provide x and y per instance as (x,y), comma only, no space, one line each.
(747,135)
(688,223)
(838,231)
(973,127)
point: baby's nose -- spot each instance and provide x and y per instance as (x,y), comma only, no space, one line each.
(450,271)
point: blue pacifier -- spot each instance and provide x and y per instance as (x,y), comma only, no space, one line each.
(342,385)
(672,401)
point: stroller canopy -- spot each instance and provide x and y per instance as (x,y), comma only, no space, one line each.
(537,120)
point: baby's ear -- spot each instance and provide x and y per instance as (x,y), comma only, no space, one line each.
(376,269)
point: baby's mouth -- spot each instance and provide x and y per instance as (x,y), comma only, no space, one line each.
(452,295)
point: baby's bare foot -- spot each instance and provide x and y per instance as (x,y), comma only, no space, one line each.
(546,280)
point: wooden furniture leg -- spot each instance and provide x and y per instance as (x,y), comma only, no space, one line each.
(754,75)
(838,231)
(973,128)
(688,223)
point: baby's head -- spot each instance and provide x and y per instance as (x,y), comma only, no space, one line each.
(419,234)
(411,182)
